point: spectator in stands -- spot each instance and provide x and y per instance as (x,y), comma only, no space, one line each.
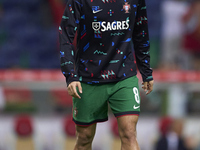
(171,135)
(192,37)
(2,99)
(172,34)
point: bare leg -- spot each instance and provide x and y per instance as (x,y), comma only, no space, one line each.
(85,137)
(127,132)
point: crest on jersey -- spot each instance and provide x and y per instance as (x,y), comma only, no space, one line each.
(126,7)
(75,112)
(96,25)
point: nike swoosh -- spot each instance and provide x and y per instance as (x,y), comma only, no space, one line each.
(134,107)
(94,12)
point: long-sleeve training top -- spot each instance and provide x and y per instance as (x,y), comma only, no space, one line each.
(105,31)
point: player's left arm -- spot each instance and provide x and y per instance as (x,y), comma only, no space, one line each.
(142,46)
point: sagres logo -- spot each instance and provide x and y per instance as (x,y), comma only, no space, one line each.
(96,26)
(115,25)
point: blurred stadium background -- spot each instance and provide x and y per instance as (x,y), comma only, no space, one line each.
(35,108)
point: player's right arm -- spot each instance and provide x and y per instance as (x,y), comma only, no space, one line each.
(67,31)
(72,89)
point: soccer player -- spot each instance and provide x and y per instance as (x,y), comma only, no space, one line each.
(102,69)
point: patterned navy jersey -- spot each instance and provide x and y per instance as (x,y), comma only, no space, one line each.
(105,31)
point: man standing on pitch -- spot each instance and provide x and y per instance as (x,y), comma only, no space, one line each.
(102,69)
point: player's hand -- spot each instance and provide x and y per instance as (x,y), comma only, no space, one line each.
(148,86)
(72,89)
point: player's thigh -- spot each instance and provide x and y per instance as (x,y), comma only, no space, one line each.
(127,125)
(125,99)
(92,107)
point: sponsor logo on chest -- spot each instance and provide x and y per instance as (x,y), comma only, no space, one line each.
(106,26)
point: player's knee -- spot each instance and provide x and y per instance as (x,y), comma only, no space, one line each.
(85,137)
(128,134)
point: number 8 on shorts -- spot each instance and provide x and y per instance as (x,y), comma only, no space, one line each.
(137,98)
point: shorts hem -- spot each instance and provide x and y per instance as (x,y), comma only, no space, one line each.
(90,123)
(117,115)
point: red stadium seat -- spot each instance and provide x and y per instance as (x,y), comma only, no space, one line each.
(69,127)
(23,126)
(115,127)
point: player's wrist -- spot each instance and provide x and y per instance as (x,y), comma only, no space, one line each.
(70,80)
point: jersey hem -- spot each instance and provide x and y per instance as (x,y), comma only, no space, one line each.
(103,81)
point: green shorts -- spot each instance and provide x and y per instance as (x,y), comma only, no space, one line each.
(123,98)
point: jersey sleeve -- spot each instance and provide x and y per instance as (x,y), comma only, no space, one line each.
(141,42)
(67,31)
